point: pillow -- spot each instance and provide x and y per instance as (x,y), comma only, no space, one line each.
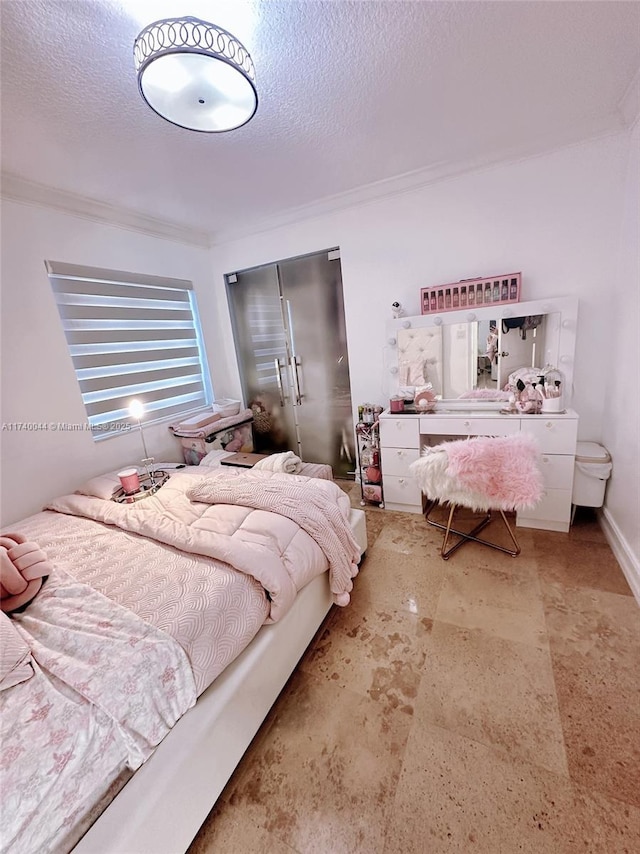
(15,655)
(103,486)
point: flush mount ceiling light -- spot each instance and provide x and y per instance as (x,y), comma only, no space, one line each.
(195,75)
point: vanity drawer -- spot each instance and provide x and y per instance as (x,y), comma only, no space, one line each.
(396,461)
(436,425)
(557,470)
(554,507)
(400,432)
(402,490)
(554,435)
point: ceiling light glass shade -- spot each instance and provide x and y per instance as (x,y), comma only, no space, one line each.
(195,75)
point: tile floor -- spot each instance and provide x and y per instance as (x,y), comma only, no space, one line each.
(484,704)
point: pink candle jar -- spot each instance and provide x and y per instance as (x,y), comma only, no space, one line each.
(130,480)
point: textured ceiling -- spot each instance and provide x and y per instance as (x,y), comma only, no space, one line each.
(350,93)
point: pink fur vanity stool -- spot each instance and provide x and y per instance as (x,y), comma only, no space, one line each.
(484,474)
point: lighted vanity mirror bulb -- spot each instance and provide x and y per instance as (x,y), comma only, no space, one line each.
(437,321)
(392,341)
(406,324)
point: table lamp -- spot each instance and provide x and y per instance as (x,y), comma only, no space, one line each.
(136,410)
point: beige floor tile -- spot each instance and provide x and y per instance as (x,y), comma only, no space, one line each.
(409,534)
(326,778)
(377,653)
(578,562)
(457,795)
(594,639)
(506,602)
(495,691)
(405,582)
(228,832)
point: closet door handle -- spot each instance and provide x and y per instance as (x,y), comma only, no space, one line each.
(279,380)
(293,361)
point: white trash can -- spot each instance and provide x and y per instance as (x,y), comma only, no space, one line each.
(592,470)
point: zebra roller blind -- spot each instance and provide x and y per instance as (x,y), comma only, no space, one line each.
(131,336)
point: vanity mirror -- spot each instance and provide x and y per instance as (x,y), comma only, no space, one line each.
(475,351)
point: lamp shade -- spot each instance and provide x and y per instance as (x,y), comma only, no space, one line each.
(136,409)
(195,75)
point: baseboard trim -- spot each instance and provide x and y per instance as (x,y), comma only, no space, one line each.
(620,547)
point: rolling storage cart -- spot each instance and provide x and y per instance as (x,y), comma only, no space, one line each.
(369,471)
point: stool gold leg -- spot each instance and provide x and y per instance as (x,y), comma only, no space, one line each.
(445,553)
(512,535)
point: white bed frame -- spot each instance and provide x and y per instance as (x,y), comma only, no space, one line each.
(160,810)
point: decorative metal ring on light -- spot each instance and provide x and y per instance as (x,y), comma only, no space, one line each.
(195,75)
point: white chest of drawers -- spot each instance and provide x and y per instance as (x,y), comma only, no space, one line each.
(403,436)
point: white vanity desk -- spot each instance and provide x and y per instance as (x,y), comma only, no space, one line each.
(434,336)
(403,436)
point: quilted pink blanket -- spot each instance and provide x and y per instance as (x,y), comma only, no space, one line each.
(304,503)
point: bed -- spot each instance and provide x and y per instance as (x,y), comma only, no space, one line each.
(203,651)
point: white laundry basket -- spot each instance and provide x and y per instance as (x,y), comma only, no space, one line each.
(592,470)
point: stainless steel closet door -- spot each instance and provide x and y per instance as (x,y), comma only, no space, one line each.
(313,306)
(263,355)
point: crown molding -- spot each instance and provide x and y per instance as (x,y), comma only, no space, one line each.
(629,105)
(409,182)
(27,192)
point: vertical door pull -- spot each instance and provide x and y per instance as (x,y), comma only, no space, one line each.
(279,380)
(293,361)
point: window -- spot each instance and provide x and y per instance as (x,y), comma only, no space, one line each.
(131,336)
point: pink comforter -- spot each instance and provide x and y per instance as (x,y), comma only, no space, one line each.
(257,542)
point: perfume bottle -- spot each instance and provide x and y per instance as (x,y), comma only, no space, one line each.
(504,293)
(433,301)
(456,298)
(513,292)
(447,298)
(496,291)
(479,294)
(440,300)
(487,292)
(463,295)
(472,294)
(425,302)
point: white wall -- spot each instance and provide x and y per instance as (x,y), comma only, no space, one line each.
(555,217)
(621,431)
(38,380)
